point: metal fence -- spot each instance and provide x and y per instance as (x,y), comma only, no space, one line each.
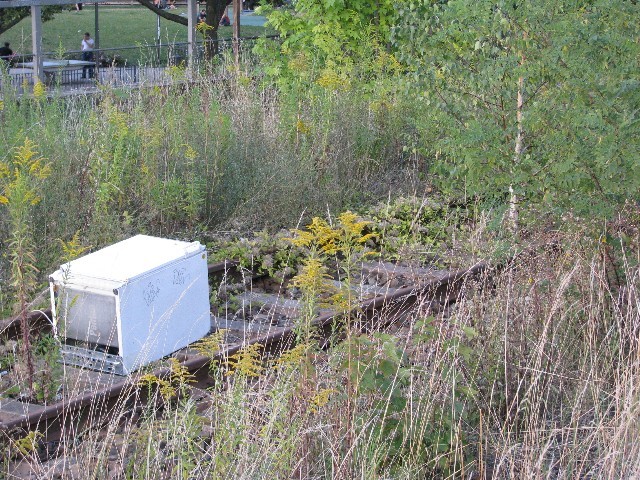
(120,67)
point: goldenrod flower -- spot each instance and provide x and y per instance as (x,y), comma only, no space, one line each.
(292,356)
(39,90)
(321,398)
(302,127)
(330,80)
(20,174)
(189,152)
(247,362)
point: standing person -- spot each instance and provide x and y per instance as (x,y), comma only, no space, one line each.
(87,54)
(6,52)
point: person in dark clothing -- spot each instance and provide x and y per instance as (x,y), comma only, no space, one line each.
(6,53)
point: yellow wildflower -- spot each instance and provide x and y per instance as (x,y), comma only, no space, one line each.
(247,362)
(292,356)
(330,80)
(321,399)
(302,127)
(39,90)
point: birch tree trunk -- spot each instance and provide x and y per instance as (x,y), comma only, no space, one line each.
(519,147)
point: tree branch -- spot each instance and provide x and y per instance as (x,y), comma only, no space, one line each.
(163,13)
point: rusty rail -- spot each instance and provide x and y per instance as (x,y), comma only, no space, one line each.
(446,289)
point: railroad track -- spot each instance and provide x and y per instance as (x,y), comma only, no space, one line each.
(262,312)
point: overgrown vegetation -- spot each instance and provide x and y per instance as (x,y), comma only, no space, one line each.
(20,179)
(441,123)
(506,383)
(539,97)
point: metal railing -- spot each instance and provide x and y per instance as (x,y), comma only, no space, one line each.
(121,66)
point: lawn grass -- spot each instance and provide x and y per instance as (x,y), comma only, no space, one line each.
(120,26)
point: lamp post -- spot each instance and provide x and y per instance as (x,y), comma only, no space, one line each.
(96,54)
(158,37)
(237,7)
(36,42)
(192,47)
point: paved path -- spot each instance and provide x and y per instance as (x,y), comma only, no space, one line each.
(249,18)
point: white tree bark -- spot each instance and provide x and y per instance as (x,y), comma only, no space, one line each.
(519,147)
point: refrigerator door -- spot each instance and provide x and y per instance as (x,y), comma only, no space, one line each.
(163,311)
(87,316)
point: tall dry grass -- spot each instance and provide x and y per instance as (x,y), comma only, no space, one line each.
(531,374)
(558,354)
(224,151)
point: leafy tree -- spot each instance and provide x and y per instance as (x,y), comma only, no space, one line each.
(11,16)
(541,96)
(329,37)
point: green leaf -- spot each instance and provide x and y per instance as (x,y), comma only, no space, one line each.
(470,332)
